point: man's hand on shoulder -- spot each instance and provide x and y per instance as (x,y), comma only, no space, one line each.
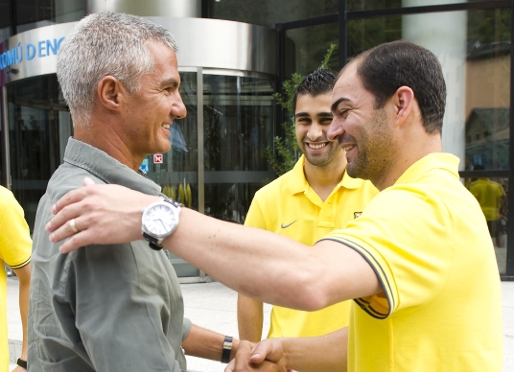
(106,214)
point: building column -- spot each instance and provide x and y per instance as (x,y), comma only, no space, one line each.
(445,34)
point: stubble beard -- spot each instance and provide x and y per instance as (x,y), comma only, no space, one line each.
(373,158)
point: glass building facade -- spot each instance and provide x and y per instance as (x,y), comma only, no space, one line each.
(217,160)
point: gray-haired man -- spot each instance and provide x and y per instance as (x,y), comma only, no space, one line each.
(122,309)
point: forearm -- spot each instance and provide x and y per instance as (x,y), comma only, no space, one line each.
(206,344)
(23,275)
(317,354)
(254,262)
(228,253)
(249,318)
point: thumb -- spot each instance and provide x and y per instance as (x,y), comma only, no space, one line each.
(230,366)
(88,181)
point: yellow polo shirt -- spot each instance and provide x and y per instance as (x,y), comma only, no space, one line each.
(15,251)
(290,207)
(428,243)
(488,194)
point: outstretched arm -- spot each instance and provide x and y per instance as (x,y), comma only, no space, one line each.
(108,214)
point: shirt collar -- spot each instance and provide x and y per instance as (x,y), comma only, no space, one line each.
(299,183)
(106,168)
(435,160)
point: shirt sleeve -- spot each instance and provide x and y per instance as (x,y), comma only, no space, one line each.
(255,215)
(186,328)
(15,241)
(387,236)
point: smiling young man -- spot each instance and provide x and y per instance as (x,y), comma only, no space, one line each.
(305,204)
(418,262)
(105,310)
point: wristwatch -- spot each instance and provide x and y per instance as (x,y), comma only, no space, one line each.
(159,221)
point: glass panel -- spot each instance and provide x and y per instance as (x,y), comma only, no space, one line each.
(270,12)
(492,194)
(388,4)
(177,170)
(366,33)
(31,14)
(5,20)
(474,50)
(238,126)
(306,48)
(38,125)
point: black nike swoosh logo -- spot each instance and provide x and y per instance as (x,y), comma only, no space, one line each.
(284,226)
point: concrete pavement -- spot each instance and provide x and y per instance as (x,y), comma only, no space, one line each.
(213,306)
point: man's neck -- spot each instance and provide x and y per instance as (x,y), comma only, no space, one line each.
(323,180)
(109,143)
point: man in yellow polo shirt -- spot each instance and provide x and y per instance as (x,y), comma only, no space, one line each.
(305,204)
(15,251)
(418,262)
(490,195)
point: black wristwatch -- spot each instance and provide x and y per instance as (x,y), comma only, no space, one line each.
(227,348)
(22,363)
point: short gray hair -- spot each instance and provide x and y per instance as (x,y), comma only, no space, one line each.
(105,44)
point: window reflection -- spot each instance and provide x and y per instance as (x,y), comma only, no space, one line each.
(270,12)
(177,170)
(491,193)
(238,126)
(39,126)
(32,14)
(306,48)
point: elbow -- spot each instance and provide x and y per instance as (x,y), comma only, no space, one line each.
(312,296)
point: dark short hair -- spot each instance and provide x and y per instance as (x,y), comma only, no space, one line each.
(386,67)
(318,82)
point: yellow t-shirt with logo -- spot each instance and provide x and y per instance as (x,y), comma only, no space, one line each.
(428,243)
(290,207)
(15,251)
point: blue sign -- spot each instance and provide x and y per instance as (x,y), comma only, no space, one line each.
(42,48)
(144,165)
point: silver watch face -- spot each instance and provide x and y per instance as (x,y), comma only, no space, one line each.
(160,219)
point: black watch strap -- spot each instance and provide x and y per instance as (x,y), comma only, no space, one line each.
(22,363)
(227,348)
(152,242)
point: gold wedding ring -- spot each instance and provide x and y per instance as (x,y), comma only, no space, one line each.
(72,226)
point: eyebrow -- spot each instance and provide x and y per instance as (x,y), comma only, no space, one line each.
(320,114)
(336,103)
(172,81)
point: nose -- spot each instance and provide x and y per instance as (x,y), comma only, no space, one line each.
(335,130)
(315,131)
(178,109)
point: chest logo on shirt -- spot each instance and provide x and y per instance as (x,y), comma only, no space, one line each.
(289,224)
(356,215)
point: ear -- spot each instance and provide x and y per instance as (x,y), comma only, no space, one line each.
(404,102)
(108,90)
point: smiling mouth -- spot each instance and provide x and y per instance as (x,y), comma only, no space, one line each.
(166,126)
(348,147)
(316,146)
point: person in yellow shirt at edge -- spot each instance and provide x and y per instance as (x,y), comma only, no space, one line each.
(15,251)
(490,195)
(308,202)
